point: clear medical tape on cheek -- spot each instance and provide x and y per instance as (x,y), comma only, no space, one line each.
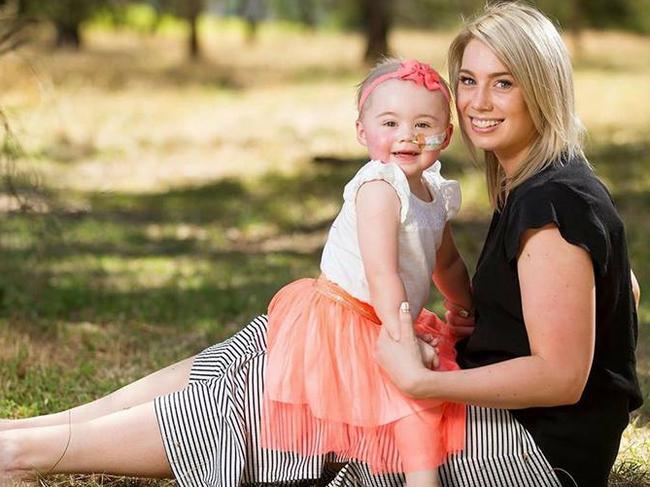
(429,142)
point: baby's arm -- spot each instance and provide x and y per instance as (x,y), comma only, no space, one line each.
(450,275)
(378,220)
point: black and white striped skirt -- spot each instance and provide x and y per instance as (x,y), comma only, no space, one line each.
(210,431)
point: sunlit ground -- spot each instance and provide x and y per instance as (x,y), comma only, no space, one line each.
(177,197)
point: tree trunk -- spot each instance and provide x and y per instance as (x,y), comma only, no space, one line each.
(252,11)
(575,27)
(306,13)
(68,35)
(251,30)
(194,9)
(22,7)
(377,14)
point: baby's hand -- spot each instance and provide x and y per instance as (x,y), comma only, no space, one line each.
(429,351)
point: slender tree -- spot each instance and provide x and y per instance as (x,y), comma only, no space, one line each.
(307,13)
(576,22)
(67,16)
(377,16)
(252,11)
(190,11)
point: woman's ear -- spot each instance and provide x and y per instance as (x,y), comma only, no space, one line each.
(361,133)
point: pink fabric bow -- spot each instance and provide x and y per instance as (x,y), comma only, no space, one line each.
(411,70)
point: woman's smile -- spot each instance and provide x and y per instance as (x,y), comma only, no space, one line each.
(485,124)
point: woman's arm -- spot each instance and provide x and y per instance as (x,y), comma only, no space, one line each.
(636,290)
(450,274)
(558,299)
(378,219)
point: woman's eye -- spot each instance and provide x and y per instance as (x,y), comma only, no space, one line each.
(503,83)
(466,80)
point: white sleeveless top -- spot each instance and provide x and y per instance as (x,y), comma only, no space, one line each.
(420,234)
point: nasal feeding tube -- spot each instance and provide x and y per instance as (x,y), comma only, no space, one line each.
(429,142)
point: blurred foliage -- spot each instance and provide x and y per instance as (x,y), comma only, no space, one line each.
(66,15)
(600,14)
(69,15)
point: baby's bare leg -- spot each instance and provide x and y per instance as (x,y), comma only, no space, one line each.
(161,382)
(415,439)
(423,478)
(127,442)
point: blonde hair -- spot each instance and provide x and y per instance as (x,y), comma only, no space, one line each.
(531,48)
(385,66)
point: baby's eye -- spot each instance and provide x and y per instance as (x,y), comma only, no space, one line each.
(423,125)
(466,80)
(503,83)
(389,123)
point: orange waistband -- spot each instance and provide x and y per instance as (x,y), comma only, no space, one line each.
(337,293)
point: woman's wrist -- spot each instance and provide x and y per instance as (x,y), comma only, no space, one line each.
(420,384)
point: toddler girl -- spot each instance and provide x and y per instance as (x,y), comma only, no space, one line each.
(324,392)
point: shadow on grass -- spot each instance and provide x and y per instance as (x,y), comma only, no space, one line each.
(93,273)
(198,258)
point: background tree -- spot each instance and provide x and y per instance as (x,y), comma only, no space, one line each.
(190,11)
(252,11)
(12,26)
(378,20)
(575,24)
(309,13)
(66,15)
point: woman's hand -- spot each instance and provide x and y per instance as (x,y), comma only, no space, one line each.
(460,320)
(402,359)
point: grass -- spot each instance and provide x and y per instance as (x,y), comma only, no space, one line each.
(177,197)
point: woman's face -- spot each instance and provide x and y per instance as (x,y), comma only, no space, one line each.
(491,106)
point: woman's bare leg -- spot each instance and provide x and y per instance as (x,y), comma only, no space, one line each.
(161,382)
(127,442)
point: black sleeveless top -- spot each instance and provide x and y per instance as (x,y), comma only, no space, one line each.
(580,439)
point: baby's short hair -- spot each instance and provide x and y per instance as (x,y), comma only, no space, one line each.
(384,66)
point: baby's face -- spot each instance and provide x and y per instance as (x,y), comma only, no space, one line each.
(394,114)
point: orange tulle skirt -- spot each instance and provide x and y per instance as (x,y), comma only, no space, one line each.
(326,393)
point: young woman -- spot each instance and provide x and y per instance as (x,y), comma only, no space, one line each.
(556,322)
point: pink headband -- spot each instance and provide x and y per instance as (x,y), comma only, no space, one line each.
(421,74)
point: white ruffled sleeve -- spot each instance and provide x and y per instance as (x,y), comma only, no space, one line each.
(377,170)
(447,189)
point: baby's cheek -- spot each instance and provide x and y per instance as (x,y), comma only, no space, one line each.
(379,145)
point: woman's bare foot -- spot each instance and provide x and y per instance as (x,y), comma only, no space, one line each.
(12,473)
